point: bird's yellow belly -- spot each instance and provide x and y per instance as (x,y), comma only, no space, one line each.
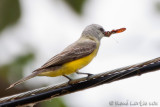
(71,67)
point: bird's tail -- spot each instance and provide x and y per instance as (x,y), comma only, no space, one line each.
(22,80)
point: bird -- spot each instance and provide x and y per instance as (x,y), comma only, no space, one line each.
(75,56)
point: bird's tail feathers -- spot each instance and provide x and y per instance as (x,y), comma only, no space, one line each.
(22,80)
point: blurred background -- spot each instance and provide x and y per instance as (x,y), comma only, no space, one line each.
(32,31)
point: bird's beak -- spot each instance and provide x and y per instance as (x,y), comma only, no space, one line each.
(109,33)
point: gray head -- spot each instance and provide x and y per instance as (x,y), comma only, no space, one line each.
(94,31)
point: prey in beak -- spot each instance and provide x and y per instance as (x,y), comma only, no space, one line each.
(109,33)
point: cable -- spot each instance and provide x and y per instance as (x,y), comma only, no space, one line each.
(49,92)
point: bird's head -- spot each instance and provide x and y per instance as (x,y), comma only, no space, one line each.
(95,31)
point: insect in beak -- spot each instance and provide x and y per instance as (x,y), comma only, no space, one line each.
(109,33)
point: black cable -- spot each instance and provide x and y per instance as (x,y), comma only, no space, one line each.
(84,84)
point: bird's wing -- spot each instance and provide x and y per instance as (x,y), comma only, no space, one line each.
(73,52)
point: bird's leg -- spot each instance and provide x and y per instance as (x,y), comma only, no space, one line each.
(70,79)
(84,73)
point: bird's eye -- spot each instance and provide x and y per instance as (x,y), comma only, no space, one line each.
(101,29)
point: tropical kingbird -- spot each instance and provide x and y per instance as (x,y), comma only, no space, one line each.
(75,56)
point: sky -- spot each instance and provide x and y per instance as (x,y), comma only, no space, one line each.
(48,26)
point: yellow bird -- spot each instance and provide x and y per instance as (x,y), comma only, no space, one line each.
(75,56)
